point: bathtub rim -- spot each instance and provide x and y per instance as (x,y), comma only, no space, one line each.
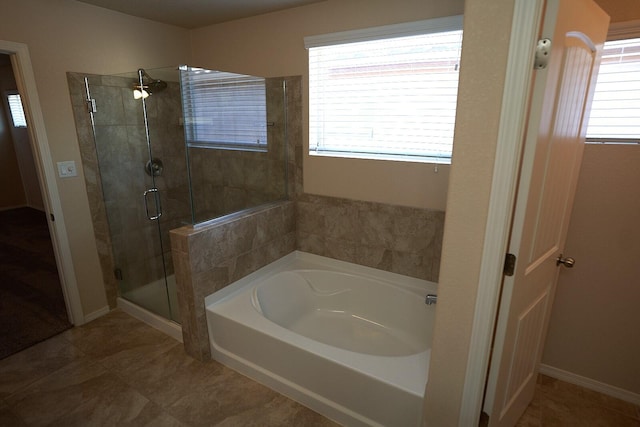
(420,287)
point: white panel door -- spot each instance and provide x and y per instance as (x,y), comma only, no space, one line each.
(552,154)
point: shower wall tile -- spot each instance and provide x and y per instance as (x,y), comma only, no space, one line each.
(93,181)
(225,181)
(115,176)
(109,105)
(115,81)
(212,256)
(399,239)
(294,136)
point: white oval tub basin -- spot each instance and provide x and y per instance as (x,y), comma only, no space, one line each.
(348,311)
(351,342)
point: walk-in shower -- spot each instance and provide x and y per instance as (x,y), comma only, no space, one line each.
(150,168)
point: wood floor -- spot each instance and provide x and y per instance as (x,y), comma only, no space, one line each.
(32,306)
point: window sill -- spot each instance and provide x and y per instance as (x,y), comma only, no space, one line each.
(384,157)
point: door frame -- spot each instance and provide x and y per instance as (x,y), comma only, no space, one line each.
(525,30)
(25,80)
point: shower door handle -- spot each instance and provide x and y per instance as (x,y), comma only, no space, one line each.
(156,198)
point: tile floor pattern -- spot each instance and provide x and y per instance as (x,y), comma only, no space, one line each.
(117,371)
(557,403)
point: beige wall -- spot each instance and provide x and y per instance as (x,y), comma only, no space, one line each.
(65,35)
(593,331)
(476,132)
(272,45)
(479,104)
(620,10)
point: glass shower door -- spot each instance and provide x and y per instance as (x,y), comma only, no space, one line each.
(133,176)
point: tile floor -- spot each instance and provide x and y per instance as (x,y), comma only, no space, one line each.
(557,403)
(117,371)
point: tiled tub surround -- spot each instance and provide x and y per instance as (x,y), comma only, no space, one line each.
(398,239)
(210,257)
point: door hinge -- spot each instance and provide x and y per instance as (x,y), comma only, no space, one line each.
(509,264)
(543,52)
(53,218)
(118,273)
(91,105)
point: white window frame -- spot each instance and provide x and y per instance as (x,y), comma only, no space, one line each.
(317,147)
(617,32)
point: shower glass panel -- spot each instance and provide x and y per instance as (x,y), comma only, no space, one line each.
(140,147)
(158,175)
(236,135)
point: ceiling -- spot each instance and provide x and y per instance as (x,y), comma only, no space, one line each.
(196,13)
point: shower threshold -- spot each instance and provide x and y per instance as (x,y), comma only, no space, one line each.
(150,294)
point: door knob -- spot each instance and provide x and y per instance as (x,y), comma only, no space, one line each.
(567,262)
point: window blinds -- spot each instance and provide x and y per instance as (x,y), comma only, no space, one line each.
(392,97)
(17,112)
(615,112)
(224,110)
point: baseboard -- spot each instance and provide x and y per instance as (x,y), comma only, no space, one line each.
(94,315)
(38,207)
(170,328)
(8,208)
(585,382)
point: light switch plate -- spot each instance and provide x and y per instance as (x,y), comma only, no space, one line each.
(67,169)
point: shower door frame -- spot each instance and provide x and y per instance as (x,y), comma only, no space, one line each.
(153,211)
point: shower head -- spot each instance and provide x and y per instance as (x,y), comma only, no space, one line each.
(156,86)
(146,85)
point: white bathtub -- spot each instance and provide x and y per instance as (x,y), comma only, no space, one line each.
(351,342)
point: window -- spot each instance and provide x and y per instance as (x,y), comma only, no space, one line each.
(17,112)
(224,110)
(385,93)
(615,112)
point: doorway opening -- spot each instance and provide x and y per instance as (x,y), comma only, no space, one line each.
(32,302)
